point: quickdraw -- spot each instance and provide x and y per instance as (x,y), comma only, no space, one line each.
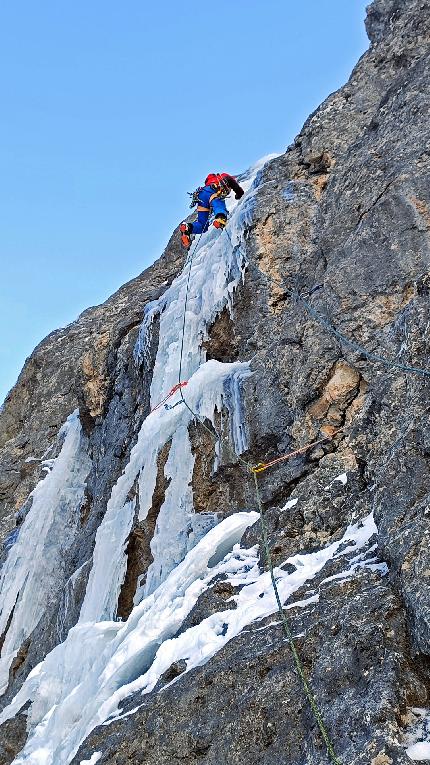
(194,197)
(173,406)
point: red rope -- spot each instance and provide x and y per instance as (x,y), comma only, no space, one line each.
(261,466)
(171,392)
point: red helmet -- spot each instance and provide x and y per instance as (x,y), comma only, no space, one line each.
(212,178)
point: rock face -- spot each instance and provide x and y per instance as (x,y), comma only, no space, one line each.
(343,219)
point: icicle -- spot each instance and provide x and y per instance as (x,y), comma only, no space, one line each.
(108,570)
(142,348)
(233,402)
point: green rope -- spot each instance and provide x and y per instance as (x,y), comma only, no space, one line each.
(288,634)
(216,437)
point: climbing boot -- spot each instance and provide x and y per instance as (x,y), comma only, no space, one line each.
(186,230)
(220,220)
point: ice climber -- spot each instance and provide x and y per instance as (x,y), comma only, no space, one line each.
(210,199)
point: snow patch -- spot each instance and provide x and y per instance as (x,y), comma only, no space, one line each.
(303,603)
(419,751)
(93,759)
(289,504)
(417,740)
(82,682)
(342,478)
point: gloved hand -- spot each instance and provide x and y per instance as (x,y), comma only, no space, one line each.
(239,194)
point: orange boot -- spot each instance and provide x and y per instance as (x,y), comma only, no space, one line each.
(186,230)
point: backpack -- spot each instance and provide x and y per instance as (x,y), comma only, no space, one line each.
(221,187)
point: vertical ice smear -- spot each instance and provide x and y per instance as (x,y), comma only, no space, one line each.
(34,563)
(108,571)
(169,544)
(216,271)
(233,402)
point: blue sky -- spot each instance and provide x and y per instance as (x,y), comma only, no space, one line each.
(111,112)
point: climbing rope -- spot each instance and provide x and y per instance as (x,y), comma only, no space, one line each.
(324,322)
(171,393)
(187,290)
(260,467)
(253,470)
